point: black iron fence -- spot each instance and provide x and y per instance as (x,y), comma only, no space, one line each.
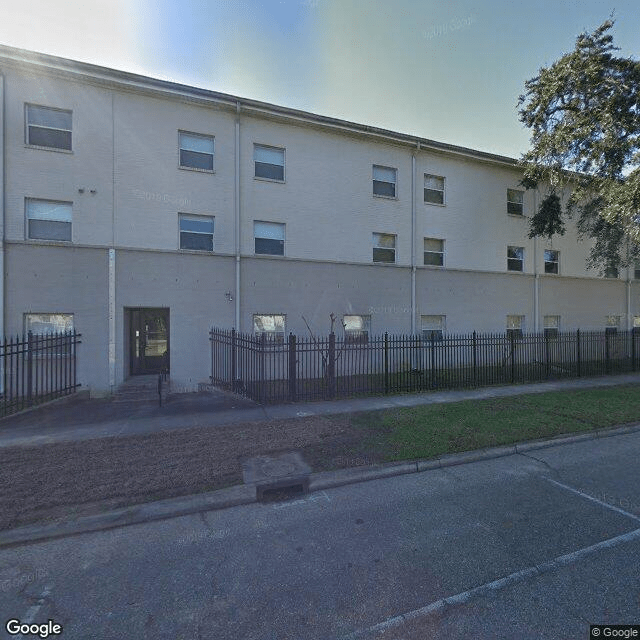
(290,369)
(36,368)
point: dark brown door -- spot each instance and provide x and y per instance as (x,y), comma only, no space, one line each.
(149,341)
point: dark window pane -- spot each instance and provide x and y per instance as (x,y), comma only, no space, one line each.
(200,225)
(435,259)
(551,267)
(514,208)
(271,171)
(196,160)
(50,138)
(196,241)
(267,246)
(434,335)
(433,197)
(636,274)
(384,188)
(514,265)
(49,230)
(384,255)
(356,337)
(516,334)
(551,332)
(49,117)
(611,330)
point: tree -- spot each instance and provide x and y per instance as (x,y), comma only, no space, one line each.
(584,116)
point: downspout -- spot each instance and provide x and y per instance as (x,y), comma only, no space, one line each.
(2,204)
(536,275)
(628,287)
(413,243)
(111,257)
(237,217)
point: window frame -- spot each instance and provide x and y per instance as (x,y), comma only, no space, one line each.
(271,337)
(435,253)
(184,216)
(433,335)
(510,259)
(394,248)
(549,331)
(555,262)
(44,147)
(360,336)
(207,136)
(27,219)
(259,145)
(284,238)
(444,190)
(610,328)
(395,183)
(516,332)
(25,316)
(513,202)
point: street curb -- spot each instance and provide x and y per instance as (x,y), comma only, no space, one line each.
(246,494)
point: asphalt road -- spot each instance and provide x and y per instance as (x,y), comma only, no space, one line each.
(514,547)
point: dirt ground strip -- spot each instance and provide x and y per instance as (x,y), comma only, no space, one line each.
(55,481)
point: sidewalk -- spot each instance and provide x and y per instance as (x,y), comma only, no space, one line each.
(85,419)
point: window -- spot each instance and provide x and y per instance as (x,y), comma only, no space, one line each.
(269,326)
(612,324)
(47,127)
(48,220)
(433,189)
(515,202)
(269,238)
(636,271)
(636,324)
(551,326)
(551,261)
(515,258)
(356,329)
(433,327)
(196,151)
(384,247)
(46,324)
(611,272)
(515,326)
(269,162)
(196,232)
(384,181)
(434,252)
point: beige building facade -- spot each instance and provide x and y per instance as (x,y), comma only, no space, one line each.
(142,212)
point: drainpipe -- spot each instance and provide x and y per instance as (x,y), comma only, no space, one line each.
(2,228)
(237,217)
(628,288)
(413,242)
(536,275)
(111,257)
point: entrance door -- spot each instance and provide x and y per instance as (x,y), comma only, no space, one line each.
(149,341)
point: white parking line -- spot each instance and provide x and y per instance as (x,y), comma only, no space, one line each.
(588,497)
(32,612)
(496,585)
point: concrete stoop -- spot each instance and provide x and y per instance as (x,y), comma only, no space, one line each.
(142,389)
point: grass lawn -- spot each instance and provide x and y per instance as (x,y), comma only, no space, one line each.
(431,430)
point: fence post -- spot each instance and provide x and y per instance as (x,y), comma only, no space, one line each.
(331,370)
(607,354)
(513,357)
(386,362)
(633,349)
(475,359)
(292,368)
(433,360)
(233,360)
(578,352)
(261,382)
(30,342)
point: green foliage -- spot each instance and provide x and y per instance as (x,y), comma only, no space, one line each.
(547,221)
(584,116)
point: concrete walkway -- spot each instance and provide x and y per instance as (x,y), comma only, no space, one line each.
(84,419)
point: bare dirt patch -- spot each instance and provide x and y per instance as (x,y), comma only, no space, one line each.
(56,481)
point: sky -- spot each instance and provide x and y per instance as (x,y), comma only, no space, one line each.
(447,70)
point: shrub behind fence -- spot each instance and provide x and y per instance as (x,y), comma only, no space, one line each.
(293,368)
(36,368)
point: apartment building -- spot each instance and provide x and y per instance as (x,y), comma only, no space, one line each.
(143,212)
